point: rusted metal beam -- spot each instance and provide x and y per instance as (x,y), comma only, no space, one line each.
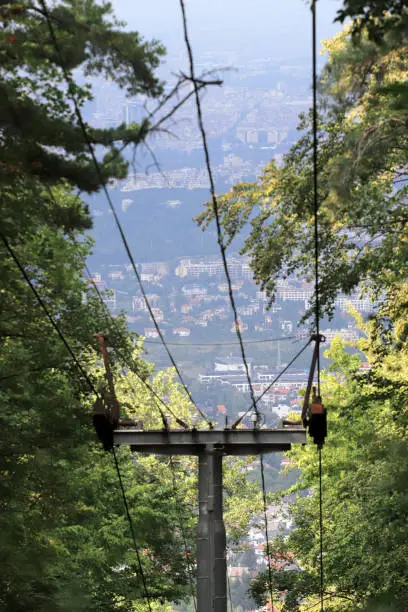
(228,441)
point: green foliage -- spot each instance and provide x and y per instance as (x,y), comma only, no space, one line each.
(365,475)
(362,161)
(64,540)
(295,583)
(362,189)
(376,16)
(41,135)
(242,498)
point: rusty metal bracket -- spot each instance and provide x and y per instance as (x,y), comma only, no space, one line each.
(112,401)
(318,339)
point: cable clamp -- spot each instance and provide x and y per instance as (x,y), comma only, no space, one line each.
(317,421)
(319,338)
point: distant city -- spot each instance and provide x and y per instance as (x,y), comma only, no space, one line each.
(190,303)
(250,120)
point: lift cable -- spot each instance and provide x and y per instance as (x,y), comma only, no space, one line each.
(315,193)
(82,371)
(268,549)
(274,381)
(165,424)
(133,368)
(233,342)
(88,142)
(51,319)
(214,200)
(224,259)
(316,278)
(321,529)
(87,379)
(132,530)
(317,409)
(108,315)
(127,248)
(222,246)
(183,533)
(229,593)
(111,319)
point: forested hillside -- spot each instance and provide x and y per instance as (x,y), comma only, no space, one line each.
(362,182)
(82,529)
(64,540)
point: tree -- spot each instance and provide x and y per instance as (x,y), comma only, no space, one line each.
(40,49)
(362,160)
(365,476)
(362,137)
(64,538)
(376,16)
(63,534)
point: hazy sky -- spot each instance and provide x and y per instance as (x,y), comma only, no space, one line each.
(245,28)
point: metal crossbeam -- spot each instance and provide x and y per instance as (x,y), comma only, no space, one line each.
(193,442)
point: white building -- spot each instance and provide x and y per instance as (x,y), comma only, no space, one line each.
(194,290)
(158,314)
(231,364)
(156,268)
(151,332)
(116,275)
(138,304)
(362,305)
(182,332)
(294,294)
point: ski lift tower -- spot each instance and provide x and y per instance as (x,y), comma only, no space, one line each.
(210,446)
